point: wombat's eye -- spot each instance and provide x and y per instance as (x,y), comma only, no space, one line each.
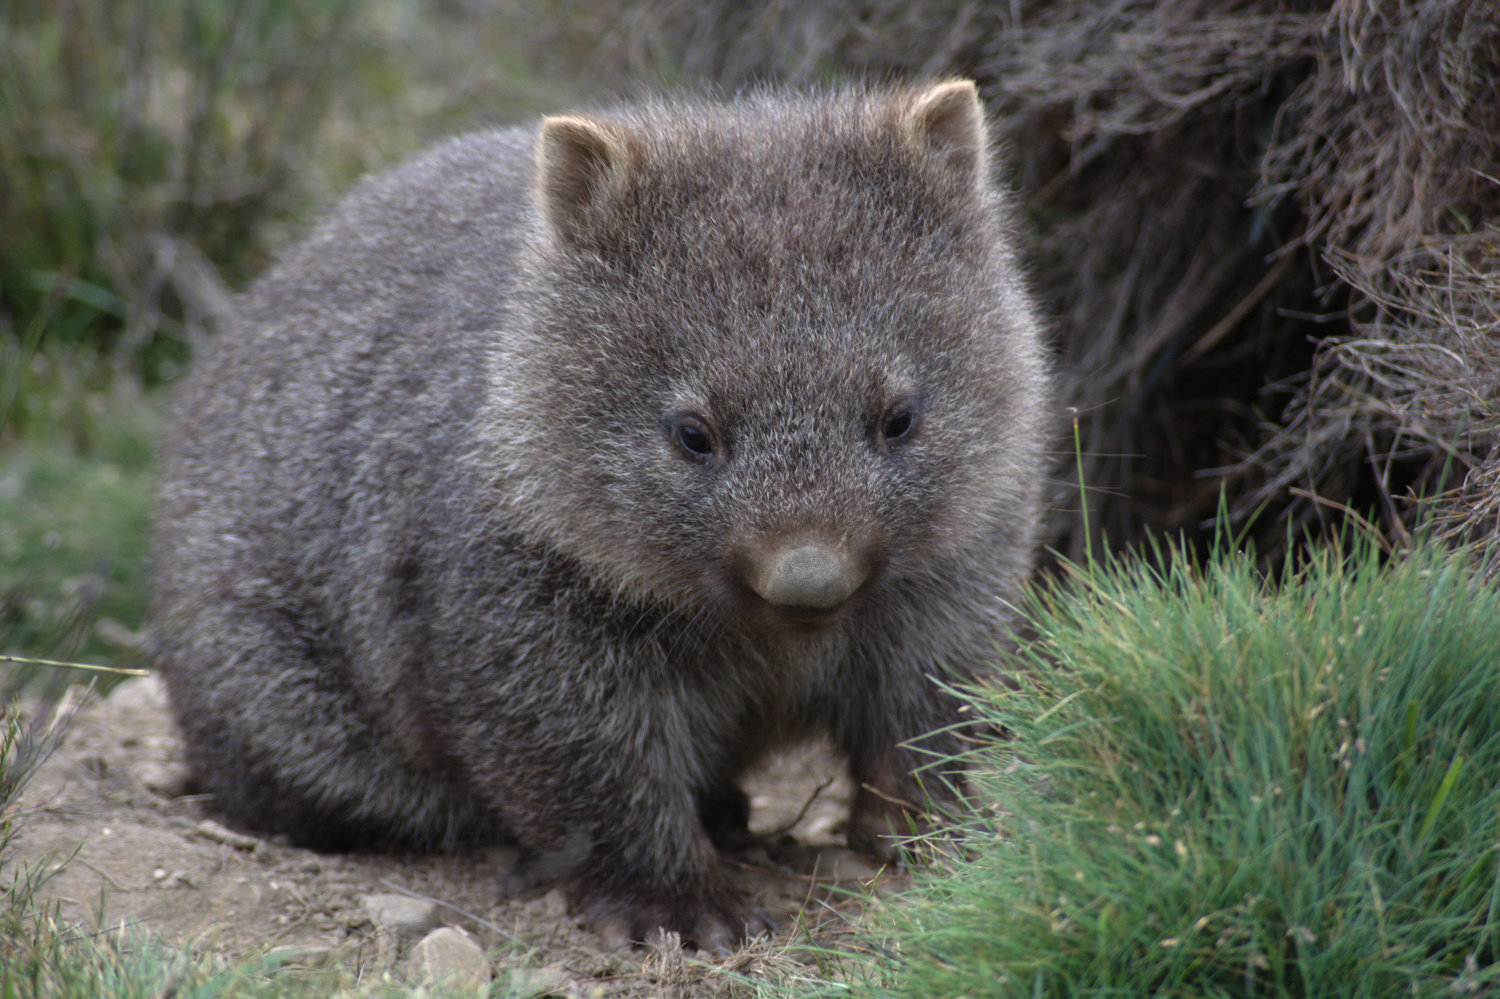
(899,424)
(691,438)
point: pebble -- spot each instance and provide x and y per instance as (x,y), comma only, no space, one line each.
(448,955)
(141,692)
(209,829)
(170,780)
(529,983)
(554,904)
(846,865)
(401,914)
(305,953)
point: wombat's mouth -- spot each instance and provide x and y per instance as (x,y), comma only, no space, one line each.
(811,618)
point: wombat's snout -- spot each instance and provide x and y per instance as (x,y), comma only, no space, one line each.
(808,579)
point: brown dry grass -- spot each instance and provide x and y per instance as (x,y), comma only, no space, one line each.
(1267,230)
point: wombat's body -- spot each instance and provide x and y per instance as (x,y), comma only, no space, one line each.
(564,472)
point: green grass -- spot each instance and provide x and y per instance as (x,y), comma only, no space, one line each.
(1218,784)
(155,153)
(136,136)
(75,487)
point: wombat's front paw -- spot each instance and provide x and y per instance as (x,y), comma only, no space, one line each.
(879,826)
(714,921)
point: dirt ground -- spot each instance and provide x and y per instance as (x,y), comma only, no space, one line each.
(149,855)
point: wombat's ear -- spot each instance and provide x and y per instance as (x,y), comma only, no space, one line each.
(580,164)
(946,121)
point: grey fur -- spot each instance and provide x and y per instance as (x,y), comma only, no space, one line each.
(471,521)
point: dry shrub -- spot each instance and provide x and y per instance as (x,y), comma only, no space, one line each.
(1411,396)
(1392,151)
(1267,230)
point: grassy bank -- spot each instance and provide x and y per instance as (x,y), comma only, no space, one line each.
(1218,784)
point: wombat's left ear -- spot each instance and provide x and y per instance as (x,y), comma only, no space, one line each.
(581,164)
(946,121)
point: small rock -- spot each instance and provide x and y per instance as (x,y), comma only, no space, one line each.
(209,829)
(142,692)
(170,780)
(401,914)
(821,827)
(554,904)
(528,983)
(448,955)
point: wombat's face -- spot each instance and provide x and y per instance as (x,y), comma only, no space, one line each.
(784,360)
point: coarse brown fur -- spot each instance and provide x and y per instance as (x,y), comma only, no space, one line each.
(566,471)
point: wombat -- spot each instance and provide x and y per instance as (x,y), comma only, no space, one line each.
(566,471)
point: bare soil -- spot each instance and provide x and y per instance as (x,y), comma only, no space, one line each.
(109,807)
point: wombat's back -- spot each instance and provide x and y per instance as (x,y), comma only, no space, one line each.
(332,408)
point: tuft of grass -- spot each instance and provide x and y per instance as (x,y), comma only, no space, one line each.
(1216,783)
(51,960)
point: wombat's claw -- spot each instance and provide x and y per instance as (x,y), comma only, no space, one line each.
(717,926)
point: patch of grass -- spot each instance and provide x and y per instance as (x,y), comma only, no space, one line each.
(1220,784)
(54,961)
(138,137)
(154,153)
(75,487)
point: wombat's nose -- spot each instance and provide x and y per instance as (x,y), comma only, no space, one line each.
(807,578)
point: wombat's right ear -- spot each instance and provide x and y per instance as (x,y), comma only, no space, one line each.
(946,120)
(580,164)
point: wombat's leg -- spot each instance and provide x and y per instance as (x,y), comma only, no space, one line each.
(652,866)
(274,733)
(889,811)
(896,727)
(899,789)
(630,904)
(888,804)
